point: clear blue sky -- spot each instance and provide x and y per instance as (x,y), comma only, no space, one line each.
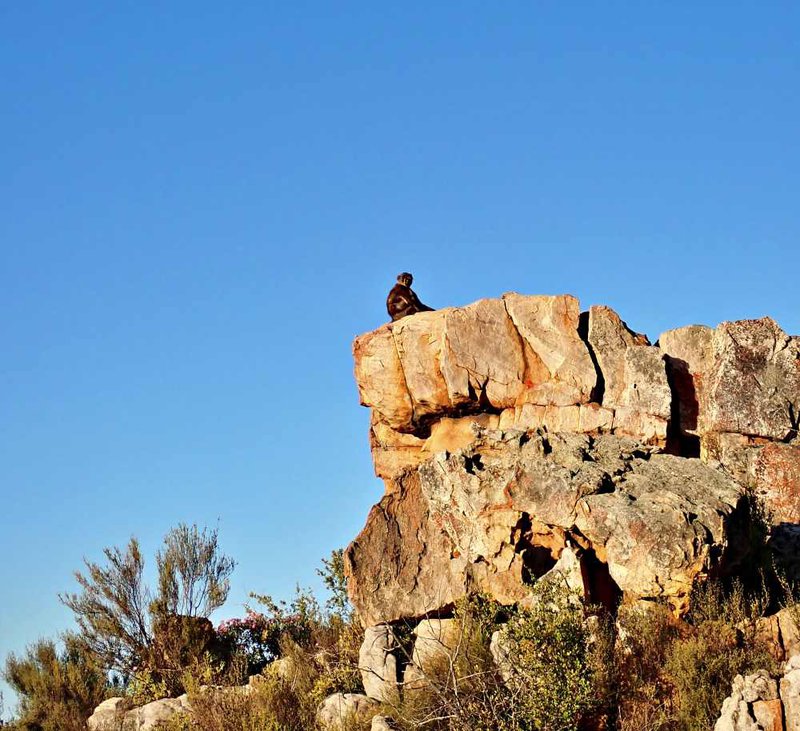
(201,204)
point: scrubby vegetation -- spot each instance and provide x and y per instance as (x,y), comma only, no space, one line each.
(58,688)
(554,665)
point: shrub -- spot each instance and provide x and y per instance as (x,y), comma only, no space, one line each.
(549,675)
(642,693)
(674,675)
(58,689)
(551,678)
(332,574)
(703,665)
(254,637)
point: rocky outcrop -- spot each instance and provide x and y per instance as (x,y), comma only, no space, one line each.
(510,429)
(759,702)
(498,515)
(738,394)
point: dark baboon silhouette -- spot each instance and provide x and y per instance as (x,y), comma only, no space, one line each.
(402,300)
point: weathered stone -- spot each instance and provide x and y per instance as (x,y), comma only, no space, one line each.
(646,388)
(735,716)
(647,427)
(150,716)
(108,715)
(381,723)
(634,376)
(790,693)
(780,633)
(776,473)
(435,643)
(377,662)
(559,369)
(753,705)
(754,383)
(491,426)
(344,711)
(393,451)
(733,453)
(610,339)
(689,359)
(400,565)
(380,379)
(483,360)
(769,714)
(497,515)
(501,654)
(494,353)
(565,574)
(419,341)
(450,435)
(642,531)
(772,469)
(414,680)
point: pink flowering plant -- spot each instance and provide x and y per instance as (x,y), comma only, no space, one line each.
(253,637)
(257,637)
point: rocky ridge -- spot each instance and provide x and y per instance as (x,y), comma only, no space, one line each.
(514,428)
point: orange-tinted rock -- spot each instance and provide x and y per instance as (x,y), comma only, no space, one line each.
(559,369)
(634,375)
(491,355)
(776,471)
(380,380)
(689,359)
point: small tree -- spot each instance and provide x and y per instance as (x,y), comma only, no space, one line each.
(332,574)
(117,613)
(193,576)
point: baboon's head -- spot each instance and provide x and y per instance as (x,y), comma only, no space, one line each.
(405,278)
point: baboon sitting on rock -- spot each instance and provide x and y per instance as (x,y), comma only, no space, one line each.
(402,300)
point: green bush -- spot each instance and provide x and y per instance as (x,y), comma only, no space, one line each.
(675,675)
(551,676)
(549,673)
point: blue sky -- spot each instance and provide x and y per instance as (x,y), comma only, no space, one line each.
(202,204)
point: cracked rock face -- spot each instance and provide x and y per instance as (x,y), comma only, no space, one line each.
(513,427)
(497,516)
(493,354)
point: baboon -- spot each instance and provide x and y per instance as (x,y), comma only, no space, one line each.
(402,300)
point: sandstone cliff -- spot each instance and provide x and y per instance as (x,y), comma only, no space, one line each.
(513,428)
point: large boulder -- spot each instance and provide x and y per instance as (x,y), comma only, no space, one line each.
(634,378)
(377,662)
(759,702)
(150,716)
(435,643)
(109,714)
(510,429)
(753,387)
(754,705)
(345,711)
(497,516)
